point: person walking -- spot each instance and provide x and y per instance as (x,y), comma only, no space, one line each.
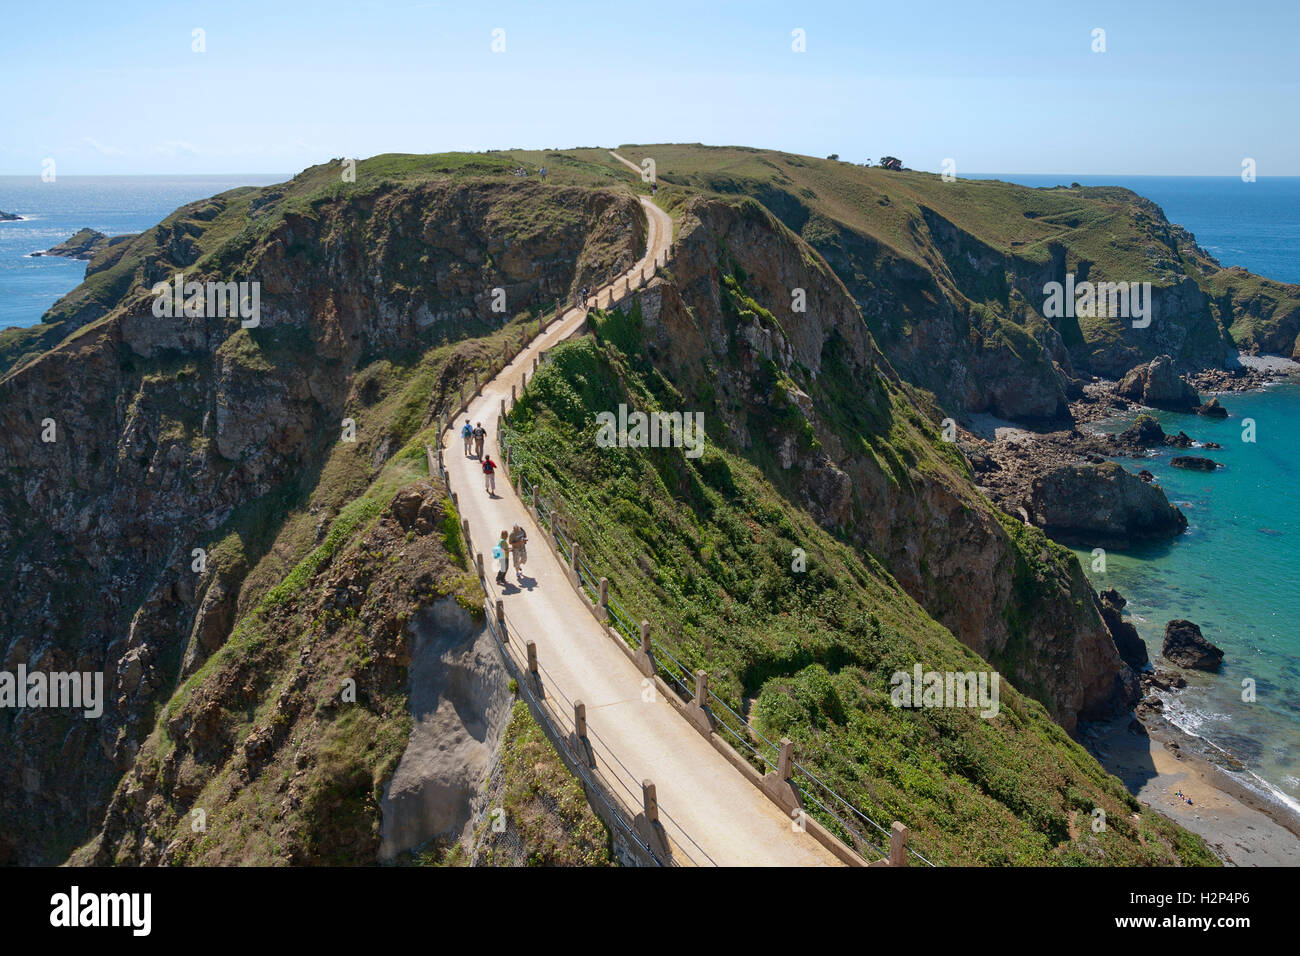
(501,555)
(489,477)
(480,436)
(519,550)
(467,433)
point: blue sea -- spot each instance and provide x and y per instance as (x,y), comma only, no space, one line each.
(54,211)
(1235,571)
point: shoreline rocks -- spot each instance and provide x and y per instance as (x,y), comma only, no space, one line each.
(1185,646)
(9,216)
(1158,384)
(1130,645)
(1194,463)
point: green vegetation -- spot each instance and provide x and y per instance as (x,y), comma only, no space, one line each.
(548,821)
(324,579)
(704,549)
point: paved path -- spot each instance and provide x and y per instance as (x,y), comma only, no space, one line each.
(712,814)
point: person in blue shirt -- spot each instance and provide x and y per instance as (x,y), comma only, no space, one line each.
(467,433)
(501,555)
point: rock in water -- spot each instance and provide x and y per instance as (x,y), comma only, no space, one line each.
(1102,506)
(1159,385)
(1114,598)
(1212,409)
(1186,647)
(1143,433)
(1127,641)
(1193,463)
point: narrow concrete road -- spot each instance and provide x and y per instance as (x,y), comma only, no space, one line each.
(626,162)
(712,814)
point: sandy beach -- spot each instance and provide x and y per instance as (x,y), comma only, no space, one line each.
(1242,826)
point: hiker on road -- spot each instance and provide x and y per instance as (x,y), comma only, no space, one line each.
(480,436)
(489,477)
(467,432)
(519,550)
(501,555)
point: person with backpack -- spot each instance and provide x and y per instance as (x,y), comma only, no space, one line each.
(519,550)
(480,436)
(489,477)
(501,555)
(467,433)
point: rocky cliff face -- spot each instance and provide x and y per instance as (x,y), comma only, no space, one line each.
(140,439)
(952,277)
(808,395)
(280,747)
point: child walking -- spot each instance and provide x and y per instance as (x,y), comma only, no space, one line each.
(501,554)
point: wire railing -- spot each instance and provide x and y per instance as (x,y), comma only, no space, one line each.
(615,816)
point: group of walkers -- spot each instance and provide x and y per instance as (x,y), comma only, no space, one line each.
(513,543)
(474,437)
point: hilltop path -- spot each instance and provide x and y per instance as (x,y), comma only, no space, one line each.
(710,812)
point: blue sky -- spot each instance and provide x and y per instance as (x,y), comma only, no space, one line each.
(1183,88)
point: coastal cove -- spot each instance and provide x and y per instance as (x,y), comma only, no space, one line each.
(1239,517)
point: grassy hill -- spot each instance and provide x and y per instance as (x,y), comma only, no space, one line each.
(198,433)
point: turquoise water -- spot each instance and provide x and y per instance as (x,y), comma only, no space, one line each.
(1234,572)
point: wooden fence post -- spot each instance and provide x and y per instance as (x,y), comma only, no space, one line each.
(898,837)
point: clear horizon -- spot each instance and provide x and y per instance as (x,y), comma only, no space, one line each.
(1180,89)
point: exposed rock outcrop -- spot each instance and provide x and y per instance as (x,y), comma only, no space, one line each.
(1102,505)
(84,244)
(1185,646)
(1158,384)
(1130,645)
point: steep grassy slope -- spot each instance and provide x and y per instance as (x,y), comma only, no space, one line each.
(705,549)
(810,399)
(546,820)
